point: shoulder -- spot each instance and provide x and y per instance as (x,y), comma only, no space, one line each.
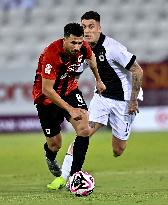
(53,50)
(52,53)
(54,47)
(114,49)
(113,44)
(86,50)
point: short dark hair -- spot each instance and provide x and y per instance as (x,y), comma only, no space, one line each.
(74,29)
(91,15)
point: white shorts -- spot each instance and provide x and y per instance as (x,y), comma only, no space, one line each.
(105,110)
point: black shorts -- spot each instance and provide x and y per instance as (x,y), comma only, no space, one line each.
(51,116)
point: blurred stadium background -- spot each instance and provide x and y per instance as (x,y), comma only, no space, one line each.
(26,27)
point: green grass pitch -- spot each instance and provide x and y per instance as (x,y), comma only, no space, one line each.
(139,176)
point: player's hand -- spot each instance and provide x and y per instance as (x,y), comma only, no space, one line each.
(76,113)
(133,107)
(100,86)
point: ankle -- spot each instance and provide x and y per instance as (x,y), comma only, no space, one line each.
(49,153)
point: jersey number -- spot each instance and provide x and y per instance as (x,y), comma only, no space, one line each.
(79,98)
(127,127)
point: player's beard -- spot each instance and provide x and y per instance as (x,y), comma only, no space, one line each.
(70,52)
(74,52)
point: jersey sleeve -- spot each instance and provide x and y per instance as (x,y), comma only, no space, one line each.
(122,56)
(48,65)
(88,50)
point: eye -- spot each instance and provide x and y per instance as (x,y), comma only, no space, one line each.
(91,26)
(73,42)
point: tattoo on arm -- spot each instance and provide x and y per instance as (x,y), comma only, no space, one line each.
(92,124)
(137,74)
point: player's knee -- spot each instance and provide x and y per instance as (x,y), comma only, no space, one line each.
(117,151)
(54,146)
(84,131)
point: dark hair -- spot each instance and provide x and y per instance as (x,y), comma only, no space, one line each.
(91,15)
(74,29)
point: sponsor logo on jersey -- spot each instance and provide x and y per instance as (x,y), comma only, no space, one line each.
(48,68)
(74,67)
(63,76)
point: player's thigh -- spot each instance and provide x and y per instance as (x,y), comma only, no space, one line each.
(120,120)
(99,111)
(81,126)
(75,99)
(51,118)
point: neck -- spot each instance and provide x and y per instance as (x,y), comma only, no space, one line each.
(93,44)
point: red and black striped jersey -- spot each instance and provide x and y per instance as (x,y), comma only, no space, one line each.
(55,64)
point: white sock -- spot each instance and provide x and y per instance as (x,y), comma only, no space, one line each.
(66,166)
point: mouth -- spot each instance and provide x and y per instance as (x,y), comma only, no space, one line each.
(87,37)
(73,52)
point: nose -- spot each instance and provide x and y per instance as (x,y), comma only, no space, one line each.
(86,30)
(77,47)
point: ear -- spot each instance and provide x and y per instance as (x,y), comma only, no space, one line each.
(64,39)
(100,29)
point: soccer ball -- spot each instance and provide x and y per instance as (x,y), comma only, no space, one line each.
(81,183)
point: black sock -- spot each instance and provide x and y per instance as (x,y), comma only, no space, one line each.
(79,151)
(49,154)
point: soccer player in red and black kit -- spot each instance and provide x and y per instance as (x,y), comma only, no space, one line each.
(56,94)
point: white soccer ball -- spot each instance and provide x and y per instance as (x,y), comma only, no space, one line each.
(81,183)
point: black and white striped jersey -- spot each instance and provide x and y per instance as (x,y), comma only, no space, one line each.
(114,62)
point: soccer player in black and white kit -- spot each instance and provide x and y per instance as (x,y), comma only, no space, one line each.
(118,104)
